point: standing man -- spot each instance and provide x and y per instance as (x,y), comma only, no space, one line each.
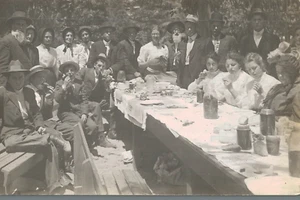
(28,47)
(192,60)
(10,45)
(127,51)
(222,43)
(259,40)
(105,45)
(85,35)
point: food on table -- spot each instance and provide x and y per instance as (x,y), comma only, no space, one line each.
(232,147)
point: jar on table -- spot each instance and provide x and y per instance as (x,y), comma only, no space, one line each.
(210,106)
(267,122)
(244,134)
(200,94)
(294,153)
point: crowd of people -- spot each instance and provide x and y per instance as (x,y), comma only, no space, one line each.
(256,72)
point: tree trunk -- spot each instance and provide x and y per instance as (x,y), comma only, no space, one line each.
(203,15)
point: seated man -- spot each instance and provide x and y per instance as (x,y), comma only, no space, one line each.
(23,128)
(74,107)
(96,86)
(44,95)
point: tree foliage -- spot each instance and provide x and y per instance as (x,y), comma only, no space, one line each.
(283,14)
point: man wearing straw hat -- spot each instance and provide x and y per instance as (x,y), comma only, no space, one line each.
(259,40)
(23,128)
(105,45)
(192,60)
(10,45)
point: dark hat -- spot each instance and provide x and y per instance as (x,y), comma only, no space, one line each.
(84,28)
(65,64)
(35,32)
(257,11)
(42,32)
(18,15)
(15,66)
(106,25)
(175,22)
(102,57)
(68,29)
(216,17)
(131,25)
(36,69)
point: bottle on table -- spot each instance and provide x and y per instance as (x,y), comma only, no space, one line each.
(244,134)
(210,106)
(200,94)
(267,122)
(294,154)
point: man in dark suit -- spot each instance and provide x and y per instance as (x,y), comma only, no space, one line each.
(74,106)
(23,127)
(10,45)
(259,41)
(28,46)
(192,60)
(222,43)
(126,53)
(96,83)
(105,45)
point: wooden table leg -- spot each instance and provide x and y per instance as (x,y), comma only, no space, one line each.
(136,151)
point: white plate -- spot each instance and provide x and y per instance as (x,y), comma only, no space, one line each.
(152,102)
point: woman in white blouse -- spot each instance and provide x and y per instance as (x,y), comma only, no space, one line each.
(69,51)
(48,55)
(258,88)
(210,80)
(236,79)
(153,59)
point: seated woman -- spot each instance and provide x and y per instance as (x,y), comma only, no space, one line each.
(236,79)
(211,79)
(153,59)
(281,96)
(23,126)
(257,89)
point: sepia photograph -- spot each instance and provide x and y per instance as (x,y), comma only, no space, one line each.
(150,97)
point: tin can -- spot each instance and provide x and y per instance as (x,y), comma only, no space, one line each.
(267,122)
(244,137)
(200,94)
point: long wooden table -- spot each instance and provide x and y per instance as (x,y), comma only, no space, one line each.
(203,164)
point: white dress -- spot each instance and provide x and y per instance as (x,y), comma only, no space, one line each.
(65,54)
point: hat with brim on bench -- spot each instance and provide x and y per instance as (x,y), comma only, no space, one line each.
(18,15)
(15,66)
(36,69)
(216,17)
(131,26)
(257,11)
(68,63)
(107,25)
(84,28)
(174,23)
(192,18)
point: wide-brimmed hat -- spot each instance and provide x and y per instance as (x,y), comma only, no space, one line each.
(42,32)
(175,22)
(191,18)
(102,57)
(257,11)
(65,64)
(18,15)
(84,28)
(216,17)
(35,31)
(131,25)
(15,66)
(68,29)
(107,25)
(36,69)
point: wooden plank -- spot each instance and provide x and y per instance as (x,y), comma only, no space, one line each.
(133,183)
(2,148)
(20,166)
(3,156)
(88,181)
(121,183)
(10,158)
(143,183)
(110,184)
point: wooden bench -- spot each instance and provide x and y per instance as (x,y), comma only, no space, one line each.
(88,181)
(14,165)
